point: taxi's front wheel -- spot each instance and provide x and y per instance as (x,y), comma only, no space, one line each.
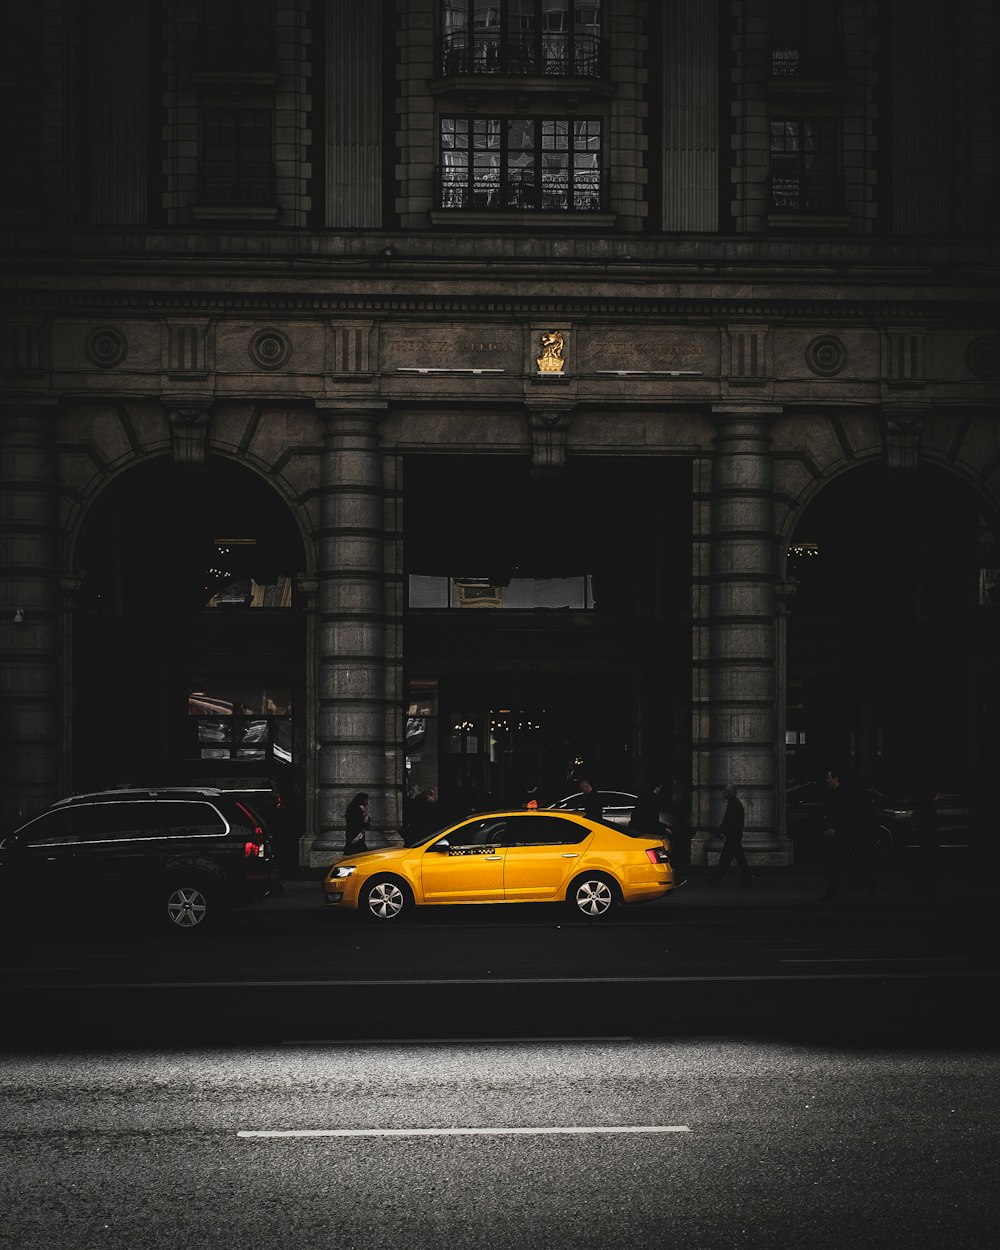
(593,896)
(385,898)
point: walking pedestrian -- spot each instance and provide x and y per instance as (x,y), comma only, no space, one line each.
(357,821)
(731,832)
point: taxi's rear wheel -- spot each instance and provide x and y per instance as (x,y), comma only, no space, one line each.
(385,898)
(593,896)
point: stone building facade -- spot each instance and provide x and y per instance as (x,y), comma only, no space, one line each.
(437,393)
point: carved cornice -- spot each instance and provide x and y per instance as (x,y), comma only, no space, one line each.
(846,310)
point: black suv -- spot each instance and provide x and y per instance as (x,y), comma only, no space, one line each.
(181,856)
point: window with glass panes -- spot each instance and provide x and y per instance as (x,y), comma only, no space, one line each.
(805,39)
(804,164)
(558,37)
(237,165)
(543,164)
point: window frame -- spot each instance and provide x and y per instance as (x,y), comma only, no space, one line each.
(243,187)
(499,175)
(517,44)
(814,183)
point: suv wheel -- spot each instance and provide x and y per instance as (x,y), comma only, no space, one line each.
(190,905)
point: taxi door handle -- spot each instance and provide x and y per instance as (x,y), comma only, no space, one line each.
(571,854)
(492,857)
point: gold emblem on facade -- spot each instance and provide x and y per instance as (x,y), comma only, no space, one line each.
(551,360)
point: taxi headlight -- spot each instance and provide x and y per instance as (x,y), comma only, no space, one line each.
(342,870)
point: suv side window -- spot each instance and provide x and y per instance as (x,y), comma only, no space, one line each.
(113,822)
(57,828)
(185,819)
(544,831)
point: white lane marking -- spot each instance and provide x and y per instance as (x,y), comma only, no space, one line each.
(875,959)
(463,1132)
(541,1039)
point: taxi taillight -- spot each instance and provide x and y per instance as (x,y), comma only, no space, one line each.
(658,855)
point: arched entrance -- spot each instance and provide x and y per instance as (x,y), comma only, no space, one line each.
(893,655)
(188,642)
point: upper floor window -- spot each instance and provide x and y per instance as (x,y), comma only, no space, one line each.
(519,37)
(805,175)
(805,40)
(19,38)
(237,165)
(237,35)
(545,164)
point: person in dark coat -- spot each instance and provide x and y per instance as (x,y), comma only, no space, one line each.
(647,815)
(848,836)
(590,801)
(731,832)
(927,838)
(357,821)
(425,816)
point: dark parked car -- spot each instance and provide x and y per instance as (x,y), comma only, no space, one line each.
(617,805)
(957,827)
(892,817)
(180,856)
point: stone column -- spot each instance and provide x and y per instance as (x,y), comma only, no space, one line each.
(742,680)
(351,633)
(30,627)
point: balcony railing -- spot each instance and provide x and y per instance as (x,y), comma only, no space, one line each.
(807,57)
(808,192)
(544,55)
(584,192)
(237,190)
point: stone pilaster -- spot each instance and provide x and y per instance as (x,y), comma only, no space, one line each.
(351,632)
(30,634)
(742,677)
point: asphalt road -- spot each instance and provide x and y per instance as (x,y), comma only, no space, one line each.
(704,1143)
(731,1068)
(769,961)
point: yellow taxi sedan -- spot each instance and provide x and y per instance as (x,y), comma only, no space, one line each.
(506,857)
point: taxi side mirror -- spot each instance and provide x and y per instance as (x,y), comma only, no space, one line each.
(443,845)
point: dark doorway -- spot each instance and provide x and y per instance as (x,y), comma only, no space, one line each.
(548,620)
(893,631)
(188,655)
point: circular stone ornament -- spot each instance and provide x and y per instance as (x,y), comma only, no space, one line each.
(826,355)
(983,357)
(270,349)
(106,346)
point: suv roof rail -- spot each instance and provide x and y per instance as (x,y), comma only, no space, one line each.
(137,791)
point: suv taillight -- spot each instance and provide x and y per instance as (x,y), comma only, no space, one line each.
(253,850)
(657,855)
